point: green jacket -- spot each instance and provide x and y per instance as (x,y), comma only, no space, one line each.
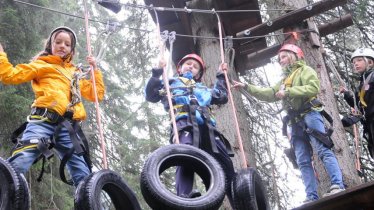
(305,86)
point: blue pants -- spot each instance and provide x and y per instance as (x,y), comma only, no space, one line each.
(23,160)
(185,175)
(300,141)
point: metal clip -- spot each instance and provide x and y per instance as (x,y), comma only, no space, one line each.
(172,37)
(187,10)
(111,26)
(164,36)
(228,43)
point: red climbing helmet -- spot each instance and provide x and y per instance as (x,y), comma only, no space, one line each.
(293,48)
(196,58)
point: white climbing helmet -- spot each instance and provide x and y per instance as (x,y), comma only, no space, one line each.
(363,52)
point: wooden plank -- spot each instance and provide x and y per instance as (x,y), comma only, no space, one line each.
(314,38)
(359,197)
(172,21)
(292,18)
(257,59)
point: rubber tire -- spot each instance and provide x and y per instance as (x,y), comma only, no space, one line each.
(87,195)
(248,192)
(14,191)
(159,197)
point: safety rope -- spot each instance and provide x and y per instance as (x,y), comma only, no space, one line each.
(162,45)
(358,140)
(98,114)
(239,137)
(51,199)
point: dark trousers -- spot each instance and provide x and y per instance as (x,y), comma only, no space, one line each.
(369,136)
(185,175)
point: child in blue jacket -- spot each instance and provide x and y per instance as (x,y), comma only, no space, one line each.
(196,125)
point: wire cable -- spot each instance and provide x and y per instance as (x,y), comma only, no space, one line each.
(158,9)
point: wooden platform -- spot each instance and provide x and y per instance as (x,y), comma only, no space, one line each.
(356,198)
(233,23)
(251,52)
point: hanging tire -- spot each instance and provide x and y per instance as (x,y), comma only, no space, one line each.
(159,197)
(14,192)
(248,192)
(90,192)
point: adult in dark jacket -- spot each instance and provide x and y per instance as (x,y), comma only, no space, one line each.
(195,123)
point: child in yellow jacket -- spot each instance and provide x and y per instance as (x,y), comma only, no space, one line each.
(58,87)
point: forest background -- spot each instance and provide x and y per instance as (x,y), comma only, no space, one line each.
(133,128)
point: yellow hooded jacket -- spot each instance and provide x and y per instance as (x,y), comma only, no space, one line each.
(50,77)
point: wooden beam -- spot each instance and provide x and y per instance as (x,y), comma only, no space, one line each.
(258,58)
(358,197)
(335,25)
(324,30)
(291,18)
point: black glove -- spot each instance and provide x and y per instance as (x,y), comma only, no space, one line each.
(220,75)
(157,72)
(349,120)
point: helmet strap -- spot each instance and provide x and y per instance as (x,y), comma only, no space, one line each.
(200,74)
(367,67)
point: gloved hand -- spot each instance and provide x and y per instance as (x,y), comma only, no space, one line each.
(157,72)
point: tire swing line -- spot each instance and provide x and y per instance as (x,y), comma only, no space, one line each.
(248,191)
(154,191)
(88,195)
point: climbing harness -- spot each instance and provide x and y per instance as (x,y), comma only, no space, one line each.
(44,145)
(198,113)
(295,116)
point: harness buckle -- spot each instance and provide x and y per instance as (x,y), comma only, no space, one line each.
(34,111)
(316,103)
(43,114)
(193,100)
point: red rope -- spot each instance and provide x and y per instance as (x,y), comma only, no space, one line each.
(166,83)
(357,144)
(239,137)
(98,115)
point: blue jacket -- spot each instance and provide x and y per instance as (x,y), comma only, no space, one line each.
(183,90)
